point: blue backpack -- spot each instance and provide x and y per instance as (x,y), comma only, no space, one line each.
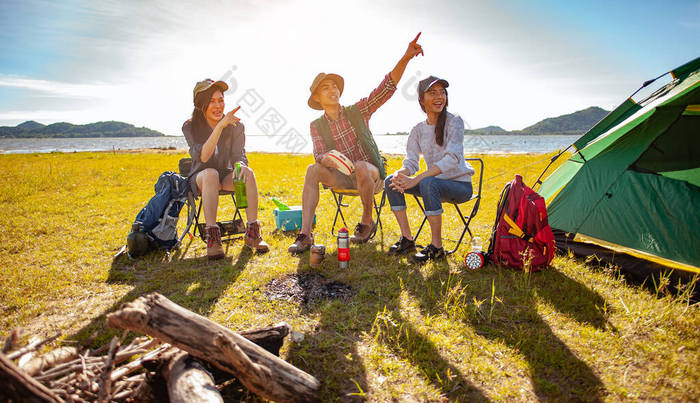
(155,226)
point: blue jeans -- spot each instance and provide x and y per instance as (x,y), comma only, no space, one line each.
(433,190)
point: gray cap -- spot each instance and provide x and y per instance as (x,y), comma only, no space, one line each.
(425,84)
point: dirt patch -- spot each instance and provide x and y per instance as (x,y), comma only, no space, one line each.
(306,289)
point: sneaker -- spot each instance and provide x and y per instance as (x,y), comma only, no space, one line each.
(302,243)
(404,245)
(214,248)
(362,232)
(430,252)
(253,240)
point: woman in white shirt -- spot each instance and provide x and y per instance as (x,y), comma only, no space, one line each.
(447,178)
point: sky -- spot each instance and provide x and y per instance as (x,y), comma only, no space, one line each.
(509,63)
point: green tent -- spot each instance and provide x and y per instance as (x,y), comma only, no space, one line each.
(633,182)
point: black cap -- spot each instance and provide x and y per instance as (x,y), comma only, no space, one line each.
(425,84)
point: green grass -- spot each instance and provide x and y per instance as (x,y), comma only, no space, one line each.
(431,332)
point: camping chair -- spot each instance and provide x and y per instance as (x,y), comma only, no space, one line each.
(194,209)
(466,220)
(339,194)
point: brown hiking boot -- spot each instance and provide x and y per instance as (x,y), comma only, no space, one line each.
(302,243)
(253,240)
(214,248)
(362,232)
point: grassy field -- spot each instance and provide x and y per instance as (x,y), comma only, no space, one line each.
(407,333)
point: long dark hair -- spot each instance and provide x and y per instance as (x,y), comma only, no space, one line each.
(200,127)
(442,118)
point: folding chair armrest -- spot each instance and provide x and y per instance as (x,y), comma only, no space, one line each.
(481,171)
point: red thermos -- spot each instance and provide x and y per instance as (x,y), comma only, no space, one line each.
(343,248)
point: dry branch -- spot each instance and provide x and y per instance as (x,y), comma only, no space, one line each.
(31,347)
(50,359)
(20,387)
(106,381)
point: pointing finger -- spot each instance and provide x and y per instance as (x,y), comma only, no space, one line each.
(417,36)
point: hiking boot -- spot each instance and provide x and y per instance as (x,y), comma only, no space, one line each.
(302,243)
(214,248)
(430,252)
(404,245)
(362,232)
(253,240)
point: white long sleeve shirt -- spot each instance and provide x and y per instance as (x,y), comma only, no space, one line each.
(449,157)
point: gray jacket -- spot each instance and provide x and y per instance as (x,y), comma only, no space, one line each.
(449,157)
(229,149)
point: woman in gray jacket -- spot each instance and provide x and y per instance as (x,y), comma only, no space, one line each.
(447,178)
(217,141)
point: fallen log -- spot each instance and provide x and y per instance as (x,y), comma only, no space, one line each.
(270,338)
(188,381)
(20,387)
(159,317)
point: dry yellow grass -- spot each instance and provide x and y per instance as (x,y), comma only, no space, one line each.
(408,333)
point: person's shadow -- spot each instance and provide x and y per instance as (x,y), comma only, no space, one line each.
(511,307)
(373,310)
(195,283)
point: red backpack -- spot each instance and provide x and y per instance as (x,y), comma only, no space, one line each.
(521,232)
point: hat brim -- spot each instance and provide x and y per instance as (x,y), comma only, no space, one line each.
(339,82)
(444,83)
(222,86)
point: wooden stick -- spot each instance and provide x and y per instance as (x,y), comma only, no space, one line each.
(161,318)
(105,383)
(11,341)
(31,347)
(20,387)
(136,364)
(50,359)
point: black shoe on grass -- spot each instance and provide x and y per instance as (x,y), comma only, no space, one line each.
(430,252)
(404,245)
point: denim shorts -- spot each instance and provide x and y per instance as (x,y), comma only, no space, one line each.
(433,191)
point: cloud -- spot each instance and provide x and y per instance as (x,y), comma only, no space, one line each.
(60,89)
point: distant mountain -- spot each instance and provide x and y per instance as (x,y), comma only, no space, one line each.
(487,130)
(575,123)
(32,129)
(30,125)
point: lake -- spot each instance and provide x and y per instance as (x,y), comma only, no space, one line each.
(391,144)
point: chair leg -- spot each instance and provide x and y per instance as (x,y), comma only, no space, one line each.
(464,230)
(378,210)
(196,220)
(425,218)
(338,211)
(190,219)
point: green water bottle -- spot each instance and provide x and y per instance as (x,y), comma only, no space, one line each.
(279,204)
(239,188)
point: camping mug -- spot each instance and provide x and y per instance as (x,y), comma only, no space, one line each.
(318,252)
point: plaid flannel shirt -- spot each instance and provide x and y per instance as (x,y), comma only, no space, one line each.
(344,135)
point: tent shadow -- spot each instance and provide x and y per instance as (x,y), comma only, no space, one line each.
(195,283)
(331,352)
